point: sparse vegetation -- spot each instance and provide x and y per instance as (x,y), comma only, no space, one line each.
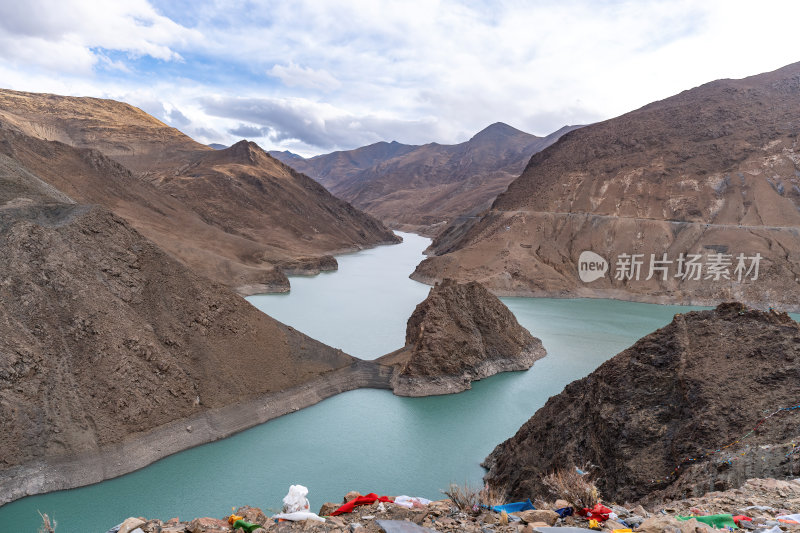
(464,497)
(490,496)
(46,526)
(573,485)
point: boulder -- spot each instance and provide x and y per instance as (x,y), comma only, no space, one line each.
(546,516)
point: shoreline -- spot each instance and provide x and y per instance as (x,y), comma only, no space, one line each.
(615,294)
(87,468)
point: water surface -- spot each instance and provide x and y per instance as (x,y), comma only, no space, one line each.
(365,440)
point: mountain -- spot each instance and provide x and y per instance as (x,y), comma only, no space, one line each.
(422,187)
(669,416)
(703,187)
(104,338)
(235,215)
(217,146)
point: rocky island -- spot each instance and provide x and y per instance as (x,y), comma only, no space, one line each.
(460,333)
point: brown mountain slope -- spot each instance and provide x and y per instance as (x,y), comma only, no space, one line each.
(104,337)
(421,187)
(713,170)
(123,132)
(233,215)
(683,396)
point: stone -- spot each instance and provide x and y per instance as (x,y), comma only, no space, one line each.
(172,521)
(130,524)
(252,514)
(259,530)
(352,495)
(152,526)
(560,504)
(539,515)
(327,508)
(208,525)
(640,511)
(659,524)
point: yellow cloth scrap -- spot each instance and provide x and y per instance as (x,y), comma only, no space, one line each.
(233,518)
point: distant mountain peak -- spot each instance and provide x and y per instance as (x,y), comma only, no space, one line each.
(498,131)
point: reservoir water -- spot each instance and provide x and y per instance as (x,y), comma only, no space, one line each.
(365,440)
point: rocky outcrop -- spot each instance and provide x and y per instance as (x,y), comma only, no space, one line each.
(458,334)
(709,174)
(671,415)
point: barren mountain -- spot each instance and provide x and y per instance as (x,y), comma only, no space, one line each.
(104,337)
(690,199)
(671,415)
(421,187)
(460,333)
(236,215)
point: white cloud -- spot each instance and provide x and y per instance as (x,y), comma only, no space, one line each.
(317,75)
(305,77)
(64,35)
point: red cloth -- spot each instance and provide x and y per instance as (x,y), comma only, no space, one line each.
(361,500)
(739,517)
(599,512)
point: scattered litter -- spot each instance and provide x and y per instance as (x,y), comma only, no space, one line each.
(411,501)
(361,500)
(296,516)
(296,499)
(599,512)
(717,521)
(247,527)
(515,507)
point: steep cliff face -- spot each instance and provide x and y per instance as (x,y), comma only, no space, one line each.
(458,334)
(684,396)
(713,170)
(233,215)
(422,187)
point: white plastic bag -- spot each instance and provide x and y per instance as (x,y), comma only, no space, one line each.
(296,500)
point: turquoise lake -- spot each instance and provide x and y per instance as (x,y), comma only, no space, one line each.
(365,440)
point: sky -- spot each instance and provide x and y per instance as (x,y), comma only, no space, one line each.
(315,76)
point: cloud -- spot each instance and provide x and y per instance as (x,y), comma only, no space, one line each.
(316,75)
(249,132)
(71,35)
(296,76)
(316,125)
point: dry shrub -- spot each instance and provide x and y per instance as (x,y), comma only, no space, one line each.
(490,496)
(466,498)
(576,488)
(46,527)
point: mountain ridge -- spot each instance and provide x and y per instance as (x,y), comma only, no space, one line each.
(711,170)
(422,187)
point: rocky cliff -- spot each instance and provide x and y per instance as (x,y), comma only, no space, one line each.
(422,187)
(672,415)
(679,201)
(233,215)
(458,334)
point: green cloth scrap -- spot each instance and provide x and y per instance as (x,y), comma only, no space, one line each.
(718,521)
(247,526)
